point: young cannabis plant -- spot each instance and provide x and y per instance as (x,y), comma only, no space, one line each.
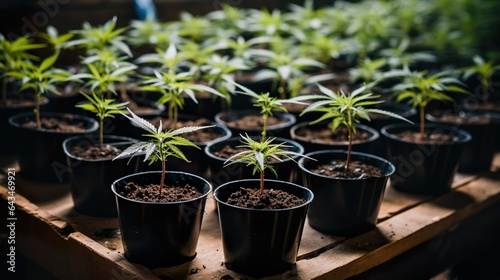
(346,109)
(161,144)
(258,155)
(484,71)
(41,78)
(265,102)
(420,88)
(103,108)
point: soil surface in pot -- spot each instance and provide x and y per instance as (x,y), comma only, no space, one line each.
(325,134)
(95,152)
(356,170)
(465,119)
(199,136)
(254,122)
(58,125)
(151,193)
(16,101)
(429,138)
(269,199)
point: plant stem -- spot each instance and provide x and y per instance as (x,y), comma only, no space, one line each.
(264,126)
(484,97)
(422,120)
(171,113)
(349,148)
(4,90)
(37,111)
(262,182)
(162,175)
(101,133)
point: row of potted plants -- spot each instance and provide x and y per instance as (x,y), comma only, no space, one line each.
(337,96)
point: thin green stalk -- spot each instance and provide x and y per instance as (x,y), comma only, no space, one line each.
(101,133)
(163,169)
(349,145)
(264,129)
(262,182)
(422,120)
(37,111)
(4,90)
(484,82)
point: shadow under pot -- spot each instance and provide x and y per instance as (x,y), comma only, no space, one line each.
(91,177)
(424,167)
(160,234)
(219,151)
(483,127)
(40,155)
(199,162)
(316,137)
(250,122)
(261,242)
(344,206)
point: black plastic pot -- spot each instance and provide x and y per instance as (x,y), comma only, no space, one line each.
(478,153)
(9,141)
(344,206)
(425,169)
(219,174)
(90,179)
(280,130)
(367,145)
(40,154)
(260,242)
(160,234)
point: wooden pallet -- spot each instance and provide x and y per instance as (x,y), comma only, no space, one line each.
(70,246)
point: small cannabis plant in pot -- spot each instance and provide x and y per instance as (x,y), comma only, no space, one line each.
(420,88)
(346,109)
(258,154)
(161,145)
(484,70)
(267,104)
(103,108)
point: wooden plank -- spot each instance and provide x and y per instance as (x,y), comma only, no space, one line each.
(402,232)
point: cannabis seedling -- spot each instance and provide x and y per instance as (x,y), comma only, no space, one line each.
(346,109)
(484,71)
(420,88)
(161,144)
(103,108)
(41,78)
(258,155)
(265,102)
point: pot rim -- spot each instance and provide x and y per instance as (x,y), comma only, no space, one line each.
(204,195)
(257,181)
(93,139)
(375,134)
(344,152)
(464,136)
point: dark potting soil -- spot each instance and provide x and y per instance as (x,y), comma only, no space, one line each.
(58,125)
(326,135)
(270,199)
(356,170)
(254,122)
(429,138)
(465,119)
(169,193)
(199,136)
(95,152)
